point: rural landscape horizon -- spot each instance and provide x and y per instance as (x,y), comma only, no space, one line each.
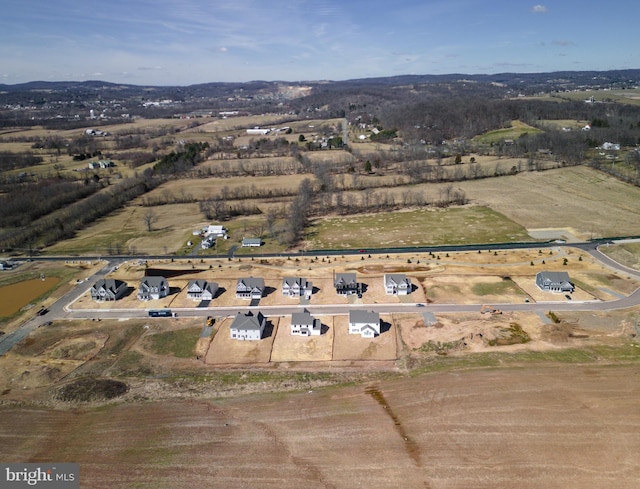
(394,280)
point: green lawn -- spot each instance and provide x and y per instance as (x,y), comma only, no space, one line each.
(179,343)
(423,227)
(516,130)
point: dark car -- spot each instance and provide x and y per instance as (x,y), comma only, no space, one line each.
(568,297)
(43,311)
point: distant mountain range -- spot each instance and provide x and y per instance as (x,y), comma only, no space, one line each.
(552,80)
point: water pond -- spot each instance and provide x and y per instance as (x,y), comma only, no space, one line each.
(15,296)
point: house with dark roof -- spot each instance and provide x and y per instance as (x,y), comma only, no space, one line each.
(347,284)
(554,282)
(296,287)
(365,323)
(247,326)
(304,324)
(249,288)
(397,284)
(108,289)
(201,290)
(153,288)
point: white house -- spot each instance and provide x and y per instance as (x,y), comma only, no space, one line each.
(247,326)
(397,284)
(296,287)
(554,282)
(153,288)
(108,289)
(304,324)
(364,323)
(201,290)
(249,288)
(610,146)
(257,131)
(251,242)
(208,242)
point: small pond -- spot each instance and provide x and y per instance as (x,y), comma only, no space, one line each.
(15,296)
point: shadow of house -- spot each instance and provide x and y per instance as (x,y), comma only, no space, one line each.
(268,291)
(384,326)
(269,329)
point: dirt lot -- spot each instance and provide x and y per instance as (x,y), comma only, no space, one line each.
(536,427)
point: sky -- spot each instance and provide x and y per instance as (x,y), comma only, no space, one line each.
(184,42)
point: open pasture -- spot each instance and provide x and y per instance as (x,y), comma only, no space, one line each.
(517,129)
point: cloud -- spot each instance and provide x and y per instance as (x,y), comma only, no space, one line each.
(562,42)
(539,9)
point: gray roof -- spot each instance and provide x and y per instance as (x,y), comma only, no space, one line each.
(363,317)
(152,281)
(302,318)
(397,278)
(251,240)
(295,280)
(108,284)
(345,278)
(247,322)
(252,282)
(555,277)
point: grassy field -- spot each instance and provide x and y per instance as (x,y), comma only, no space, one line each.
(627,96)
(517,129)
(415,228)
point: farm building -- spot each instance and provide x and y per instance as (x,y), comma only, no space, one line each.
(397,284)
(249,288)
(364,323)
(304,324)
(153,288)
(201,290)
(247,326)
(108,289)
(296,287)
(215,230)
(257,131)
(554,282)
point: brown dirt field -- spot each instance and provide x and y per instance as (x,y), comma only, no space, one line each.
(531,428)
(353,347)
(227,351)
(288,348)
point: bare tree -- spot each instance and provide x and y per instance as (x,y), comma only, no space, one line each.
(150,218)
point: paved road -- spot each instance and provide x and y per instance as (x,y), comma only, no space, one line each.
(63,308)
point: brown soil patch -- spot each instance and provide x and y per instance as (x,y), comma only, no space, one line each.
(571,426)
